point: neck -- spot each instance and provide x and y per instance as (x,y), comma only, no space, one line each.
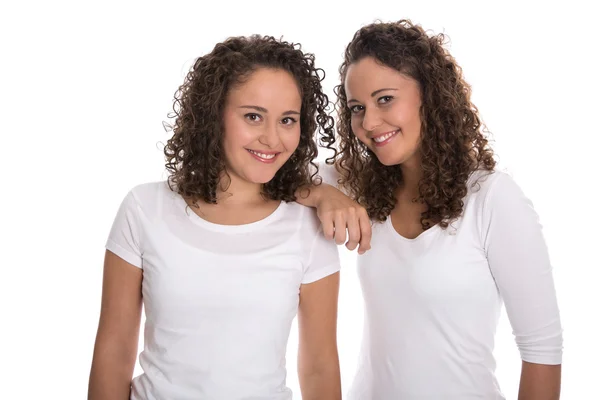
(233,191)
(411,176)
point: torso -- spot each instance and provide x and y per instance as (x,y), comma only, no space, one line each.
(431,306)
(219,300)
(406,217)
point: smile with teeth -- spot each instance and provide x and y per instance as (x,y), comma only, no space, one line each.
(383,138)
(263,155)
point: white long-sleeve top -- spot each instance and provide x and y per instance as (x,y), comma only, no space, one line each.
(432,303)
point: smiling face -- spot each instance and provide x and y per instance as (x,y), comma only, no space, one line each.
(261,125)
(385,110)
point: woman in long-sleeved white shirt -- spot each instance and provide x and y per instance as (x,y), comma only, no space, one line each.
(453,238)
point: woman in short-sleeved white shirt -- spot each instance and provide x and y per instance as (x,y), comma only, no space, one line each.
(220,256)
(453,237)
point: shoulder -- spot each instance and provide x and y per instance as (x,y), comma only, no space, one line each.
(149,197)
(305,218)
(497,196)
(305,225)
(492,186)
(150,190)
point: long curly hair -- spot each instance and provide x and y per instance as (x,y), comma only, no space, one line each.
(452,143)
(194,154)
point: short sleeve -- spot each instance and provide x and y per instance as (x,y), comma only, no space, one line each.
(124,238)
(324,259)
(519,261)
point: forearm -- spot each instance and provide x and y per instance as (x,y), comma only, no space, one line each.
(321,382)
(318,361)
(111,373)
(310,195)
(116,346)
(539,382)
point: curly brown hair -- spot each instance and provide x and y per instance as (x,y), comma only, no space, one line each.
(452,145)
(194,154)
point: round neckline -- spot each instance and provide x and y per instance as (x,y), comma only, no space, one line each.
(423,234)
(199,221)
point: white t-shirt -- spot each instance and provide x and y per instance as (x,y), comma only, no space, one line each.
(432,303)
(219,300)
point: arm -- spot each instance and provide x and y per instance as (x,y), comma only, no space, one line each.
(118,331)
(519,260)
(335,209)
(539,381)
(318,363)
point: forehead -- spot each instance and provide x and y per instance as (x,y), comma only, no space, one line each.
(367,75)
(266,85)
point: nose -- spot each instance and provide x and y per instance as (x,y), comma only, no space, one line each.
(269,136)
(371,119)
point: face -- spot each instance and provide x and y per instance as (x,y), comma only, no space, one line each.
(261,125)
(384,106)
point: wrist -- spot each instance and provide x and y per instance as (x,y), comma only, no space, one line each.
(310,195)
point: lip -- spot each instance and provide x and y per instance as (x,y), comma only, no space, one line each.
(380,144)
(264,160)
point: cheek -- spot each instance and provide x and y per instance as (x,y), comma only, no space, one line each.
(290,140)
(414,127)
(413,118)
(357,129)
(407,119)
(235,135)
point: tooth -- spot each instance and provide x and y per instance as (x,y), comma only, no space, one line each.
(384,137)
(262,155)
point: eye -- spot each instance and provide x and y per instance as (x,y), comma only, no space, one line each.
(356,109)
(253,117)
(385,99)
(288,121)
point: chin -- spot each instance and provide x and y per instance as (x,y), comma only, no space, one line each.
(389,162)
(261,178)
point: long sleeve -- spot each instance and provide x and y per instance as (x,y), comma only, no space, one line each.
(519,261)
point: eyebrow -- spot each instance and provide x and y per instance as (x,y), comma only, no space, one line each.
(375,93)
(264,110)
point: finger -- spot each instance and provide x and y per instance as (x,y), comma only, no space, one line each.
(340,228)
(365,232)
(328,228)
(353,225)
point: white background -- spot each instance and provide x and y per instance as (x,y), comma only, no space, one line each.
(85,87)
